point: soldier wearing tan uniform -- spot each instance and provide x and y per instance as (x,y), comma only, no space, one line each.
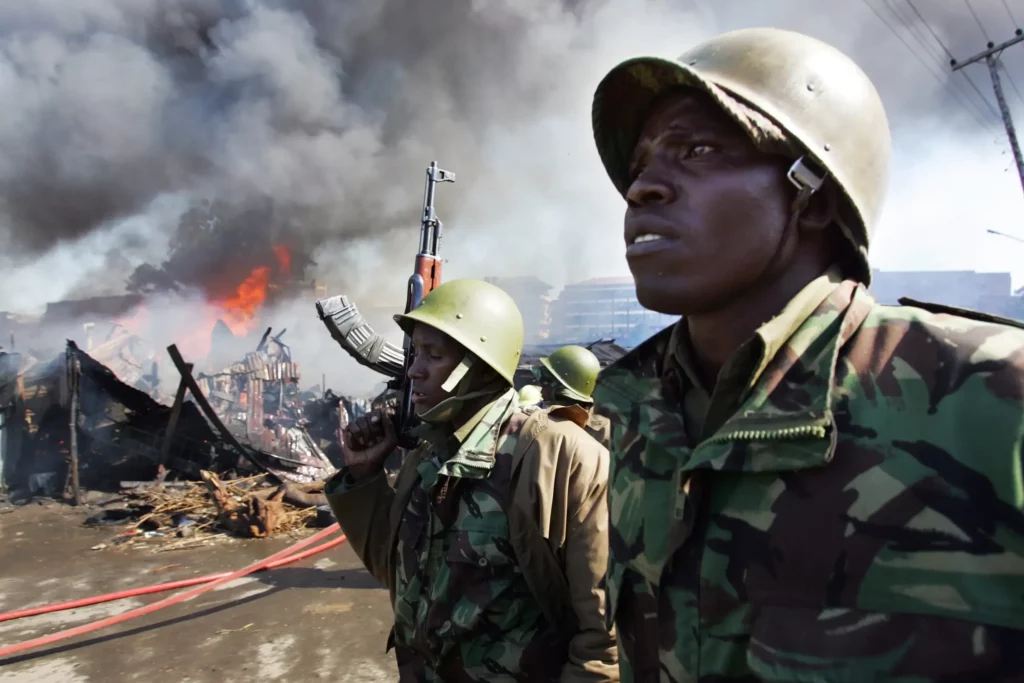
(567,378)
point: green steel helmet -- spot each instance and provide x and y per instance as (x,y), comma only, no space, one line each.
(479,316)
(530,395)
(793,95)
(576,369)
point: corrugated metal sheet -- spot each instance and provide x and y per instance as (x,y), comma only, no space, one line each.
(260,366)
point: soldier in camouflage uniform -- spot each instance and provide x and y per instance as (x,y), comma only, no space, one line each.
(493,540)
(806,485)
(567,378)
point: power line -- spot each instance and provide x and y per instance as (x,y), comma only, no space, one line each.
(949,54)
(930,30)
(937,76)
(916,55)
(910,26)
(977,20)
(978,90)
(1009,13)
(1013,84)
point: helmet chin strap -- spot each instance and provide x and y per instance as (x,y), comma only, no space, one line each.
(461,380)
(458,373)
(808,178)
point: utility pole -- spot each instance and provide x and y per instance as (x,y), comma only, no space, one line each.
(991,57)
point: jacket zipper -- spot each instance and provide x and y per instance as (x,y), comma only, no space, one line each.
(782,434)
(799,432)
(444,491)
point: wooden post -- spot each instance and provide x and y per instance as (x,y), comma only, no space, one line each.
(208,410)
(74,369)
(172,421)
(991,56)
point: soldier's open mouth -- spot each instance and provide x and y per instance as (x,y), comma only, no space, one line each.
(648,244)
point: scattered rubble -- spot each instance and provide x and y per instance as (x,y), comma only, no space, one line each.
(252,507)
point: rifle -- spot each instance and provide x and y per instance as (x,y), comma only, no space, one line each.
(348,327)
(426,275)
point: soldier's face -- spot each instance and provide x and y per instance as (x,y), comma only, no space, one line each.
(435,355)
(545,381)
(706,210)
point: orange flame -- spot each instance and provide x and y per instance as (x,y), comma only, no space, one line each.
(240,308)
(284,259)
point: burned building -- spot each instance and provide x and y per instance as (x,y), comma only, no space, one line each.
(70,423)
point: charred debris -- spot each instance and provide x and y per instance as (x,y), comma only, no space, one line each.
(87,426)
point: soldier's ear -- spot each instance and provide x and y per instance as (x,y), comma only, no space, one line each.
(820,212)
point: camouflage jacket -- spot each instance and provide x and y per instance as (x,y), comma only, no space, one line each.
(472,591)
(859,518)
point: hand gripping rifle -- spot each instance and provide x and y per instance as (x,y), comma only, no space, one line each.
(348,327)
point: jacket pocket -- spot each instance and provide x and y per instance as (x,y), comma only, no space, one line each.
(481,569)
(485,548)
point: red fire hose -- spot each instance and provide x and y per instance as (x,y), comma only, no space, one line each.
(157,588)
(289,554)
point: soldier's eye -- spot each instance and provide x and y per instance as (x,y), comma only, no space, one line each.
(697,150)
(641,157)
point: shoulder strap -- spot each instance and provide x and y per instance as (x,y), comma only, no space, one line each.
(546,575)
(962,312)
(407,480)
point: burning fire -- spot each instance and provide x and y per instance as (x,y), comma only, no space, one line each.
(238,310)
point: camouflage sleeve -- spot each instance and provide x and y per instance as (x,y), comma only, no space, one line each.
(363,510)
(568,475)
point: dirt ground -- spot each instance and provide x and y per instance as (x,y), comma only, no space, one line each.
(323,618)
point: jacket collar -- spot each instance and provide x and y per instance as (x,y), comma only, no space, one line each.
(785,424)
(478,439)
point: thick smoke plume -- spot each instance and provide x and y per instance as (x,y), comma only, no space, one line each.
(308,124)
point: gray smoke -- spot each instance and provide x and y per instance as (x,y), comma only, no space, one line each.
(309,122)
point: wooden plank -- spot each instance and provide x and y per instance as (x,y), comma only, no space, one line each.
(207,409)
(172,422)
